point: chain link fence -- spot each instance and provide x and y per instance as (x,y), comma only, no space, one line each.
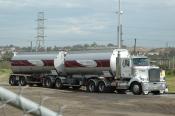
(27,107)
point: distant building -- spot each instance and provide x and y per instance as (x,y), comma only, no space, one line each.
(153,53)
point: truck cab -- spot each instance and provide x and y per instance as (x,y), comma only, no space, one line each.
(148,76)
(137,73)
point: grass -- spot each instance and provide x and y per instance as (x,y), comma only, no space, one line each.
(4,71)
(4,75)
(170,79)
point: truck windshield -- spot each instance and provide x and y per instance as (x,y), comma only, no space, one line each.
(141,61)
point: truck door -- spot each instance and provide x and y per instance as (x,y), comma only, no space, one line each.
(125,68)
(59,62)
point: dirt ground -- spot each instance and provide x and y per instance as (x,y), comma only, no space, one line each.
(79,103)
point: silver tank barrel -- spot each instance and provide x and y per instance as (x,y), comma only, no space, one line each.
(33,63)
(87,63)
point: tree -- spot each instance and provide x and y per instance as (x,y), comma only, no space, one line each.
(86,45)
(7,56)
(94,44)
(110,45)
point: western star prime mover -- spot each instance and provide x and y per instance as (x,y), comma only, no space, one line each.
(98,72)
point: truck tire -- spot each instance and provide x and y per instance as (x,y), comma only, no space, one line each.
(91,86)
(12,81)
(49,83)
(22,81)
(136,88)
(102,87)
(58,84)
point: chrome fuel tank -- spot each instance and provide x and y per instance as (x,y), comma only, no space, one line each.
(87,63)
(33,63)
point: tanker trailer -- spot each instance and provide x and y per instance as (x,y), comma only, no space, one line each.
(82,69)
(30,68)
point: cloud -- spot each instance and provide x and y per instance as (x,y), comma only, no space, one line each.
(39,3)
(148,3)
(92,19)
(82,25)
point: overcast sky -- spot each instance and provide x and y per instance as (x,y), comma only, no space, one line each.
(71,22)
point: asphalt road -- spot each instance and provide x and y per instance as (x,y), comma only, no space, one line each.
(79,103)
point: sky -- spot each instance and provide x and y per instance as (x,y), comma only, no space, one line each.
(70,22)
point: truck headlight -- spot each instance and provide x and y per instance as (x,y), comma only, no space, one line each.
(163,85)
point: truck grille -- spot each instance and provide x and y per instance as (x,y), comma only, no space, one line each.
(154,75)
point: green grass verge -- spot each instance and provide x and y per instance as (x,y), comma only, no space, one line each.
(170,79)
(4,71)
(4,75)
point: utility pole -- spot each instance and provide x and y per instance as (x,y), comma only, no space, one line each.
(31,46)
(173,62)
(121,35)
(119,28)
(135,43)
(40,42)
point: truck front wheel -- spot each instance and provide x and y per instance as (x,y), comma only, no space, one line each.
(136,88)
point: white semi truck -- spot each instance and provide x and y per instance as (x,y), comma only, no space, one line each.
(98,72)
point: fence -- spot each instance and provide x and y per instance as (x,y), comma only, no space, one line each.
(27,106)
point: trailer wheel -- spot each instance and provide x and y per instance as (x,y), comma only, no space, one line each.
(136,88)
(58,84)
(12,81)
(48,83)
(22,81)
(101,87)
(91,86)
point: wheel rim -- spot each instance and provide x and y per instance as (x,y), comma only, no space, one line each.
(58,83)
(101,87)
(136,88)
(47,83)
(91,87)
(12,81)
(22,82)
